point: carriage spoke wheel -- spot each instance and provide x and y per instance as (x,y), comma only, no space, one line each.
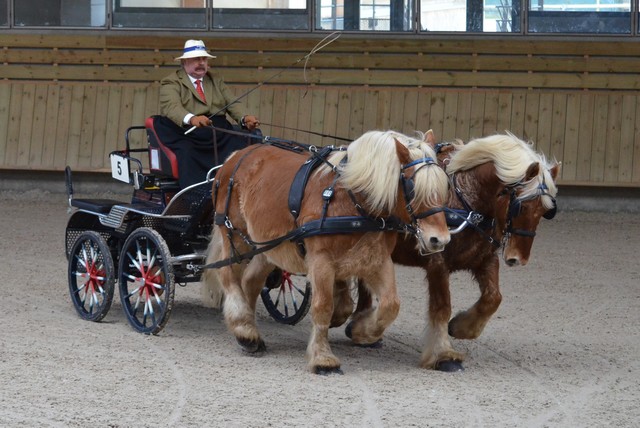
(147,283)
(91,276)
(286,296)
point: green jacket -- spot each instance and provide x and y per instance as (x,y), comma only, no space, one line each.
(178,97)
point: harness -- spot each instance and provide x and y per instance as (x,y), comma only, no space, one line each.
(461,218)
(363,223)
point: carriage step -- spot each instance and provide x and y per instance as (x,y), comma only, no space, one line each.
(100,206)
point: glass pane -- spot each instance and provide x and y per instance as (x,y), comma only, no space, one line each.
(60,13)
(190,14)
(261,14)
(489,16)
(161,4)
(260,4)
(4,14)
(443,15)
(366,15)
(583,16)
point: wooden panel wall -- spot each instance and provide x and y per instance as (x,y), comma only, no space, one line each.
(67,100)
(46,127)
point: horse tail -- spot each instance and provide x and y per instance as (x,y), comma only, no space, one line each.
(212,292)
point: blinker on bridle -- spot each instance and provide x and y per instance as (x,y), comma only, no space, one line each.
(409,191)
(515,203)
(515,208)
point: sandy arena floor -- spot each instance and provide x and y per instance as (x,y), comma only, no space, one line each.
(562,351)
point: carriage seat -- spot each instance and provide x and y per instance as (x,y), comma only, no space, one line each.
(162,160)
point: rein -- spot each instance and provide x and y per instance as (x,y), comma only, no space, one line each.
(319,134)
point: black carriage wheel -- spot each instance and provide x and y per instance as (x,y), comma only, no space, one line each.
(146,279)
(286,296)
(91,276)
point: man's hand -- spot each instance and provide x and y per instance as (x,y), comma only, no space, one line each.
(250,122)
(200,121)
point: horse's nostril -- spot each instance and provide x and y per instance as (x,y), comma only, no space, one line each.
(434,240)
(512,262)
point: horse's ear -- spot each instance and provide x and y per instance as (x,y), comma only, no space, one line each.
(554,171)
(430,138)
(532,171)
(403,152)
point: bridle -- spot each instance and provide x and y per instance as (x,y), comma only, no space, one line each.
(515,208)
(408,188)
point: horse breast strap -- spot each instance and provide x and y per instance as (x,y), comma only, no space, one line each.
(296,191)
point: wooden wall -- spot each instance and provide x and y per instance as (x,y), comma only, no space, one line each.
(68,100)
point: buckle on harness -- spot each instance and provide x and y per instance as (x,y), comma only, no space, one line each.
(327,194)
(475,218)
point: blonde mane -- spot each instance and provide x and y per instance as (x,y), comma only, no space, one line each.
(511,157)
(373,169)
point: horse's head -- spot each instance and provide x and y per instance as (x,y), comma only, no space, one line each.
(511,183)
(424,188)
(525,204)
(398,176)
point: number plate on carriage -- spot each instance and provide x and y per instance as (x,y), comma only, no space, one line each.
(120,167)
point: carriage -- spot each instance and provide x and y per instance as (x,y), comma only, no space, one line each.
(168,235)
(156,240)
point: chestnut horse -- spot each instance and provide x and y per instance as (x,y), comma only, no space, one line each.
(386,180)
(503,187)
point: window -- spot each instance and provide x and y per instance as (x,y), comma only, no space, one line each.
(261,14)
(615,17)
(490,16)
(4,13)
(188,14)
(365,15)
(60,13)
(580,16)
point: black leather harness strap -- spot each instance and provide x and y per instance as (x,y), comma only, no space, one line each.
(296,192)
(321,226)
(479,222)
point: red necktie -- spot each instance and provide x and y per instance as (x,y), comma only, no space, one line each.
(200,91)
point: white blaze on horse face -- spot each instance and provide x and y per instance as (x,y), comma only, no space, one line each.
(432,234)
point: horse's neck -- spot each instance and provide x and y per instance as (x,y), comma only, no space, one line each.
(478,187)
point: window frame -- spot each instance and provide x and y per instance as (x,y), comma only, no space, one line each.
(309,19)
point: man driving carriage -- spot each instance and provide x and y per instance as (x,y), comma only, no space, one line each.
(193,96)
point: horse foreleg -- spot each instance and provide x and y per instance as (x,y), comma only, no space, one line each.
(320,357)
(342,303)
(437,352)
(469,324)
(368,325)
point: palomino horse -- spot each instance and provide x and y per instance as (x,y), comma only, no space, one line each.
(385,180)
(503,187)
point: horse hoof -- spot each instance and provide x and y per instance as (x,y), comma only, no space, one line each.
(450,329)
(375,345)
(326,371)
(449,366)
(253,347)
(348,330)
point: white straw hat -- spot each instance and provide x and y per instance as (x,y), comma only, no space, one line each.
(194,49)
